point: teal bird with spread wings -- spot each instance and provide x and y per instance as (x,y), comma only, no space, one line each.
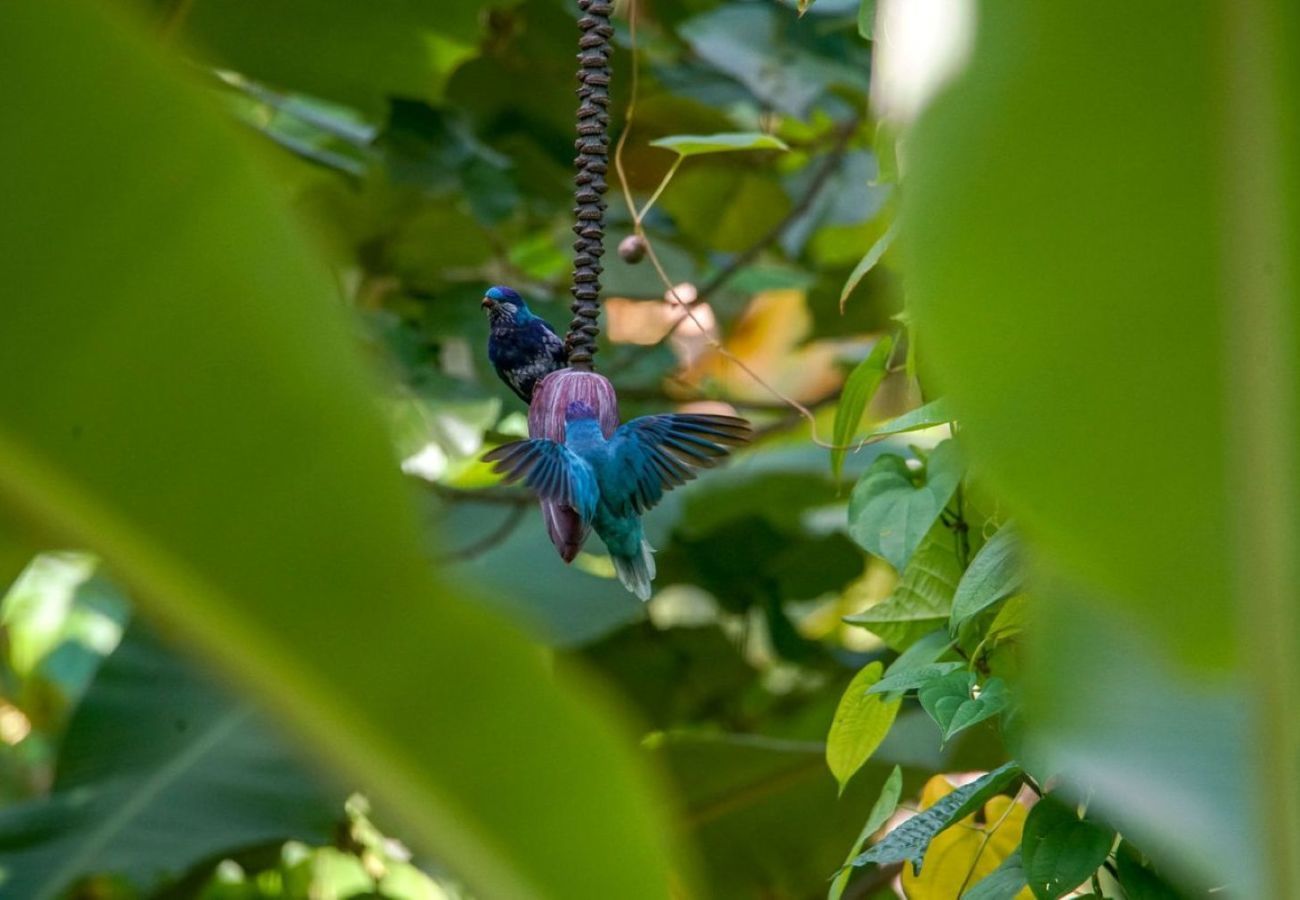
(610,483)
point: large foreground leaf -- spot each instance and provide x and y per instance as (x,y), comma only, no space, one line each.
(178,390)
(1106,251)
(194,774)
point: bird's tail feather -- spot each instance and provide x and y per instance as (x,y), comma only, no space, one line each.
(637,572)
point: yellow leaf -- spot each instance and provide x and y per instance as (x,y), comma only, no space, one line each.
(965,852)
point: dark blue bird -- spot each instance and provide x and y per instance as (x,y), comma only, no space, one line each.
(610,483)
(522,347)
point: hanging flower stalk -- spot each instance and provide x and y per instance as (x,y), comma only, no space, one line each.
(580,382)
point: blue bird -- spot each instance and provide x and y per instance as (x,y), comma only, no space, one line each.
(523,348)
(611,483)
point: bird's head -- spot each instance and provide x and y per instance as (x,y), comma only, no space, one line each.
(504,304)
(578,410)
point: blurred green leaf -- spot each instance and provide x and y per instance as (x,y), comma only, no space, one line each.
(995,573)
(895,503)
(858,390)
(1154,743)
(922,600)
(1060,851)
(700,144)
(233,469)
(861,722)
(728,208)
(883,809)
(868,262)
(867,19)
(1003,883)
(337,50)
(1139,880)
(193,773)
(910,840)
(764,47)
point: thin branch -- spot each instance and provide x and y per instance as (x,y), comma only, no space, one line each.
(489,496)
(477,548)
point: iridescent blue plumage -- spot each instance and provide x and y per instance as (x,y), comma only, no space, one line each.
(610,483)
(523,348)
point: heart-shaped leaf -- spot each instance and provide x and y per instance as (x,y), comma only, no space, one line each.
(895,504)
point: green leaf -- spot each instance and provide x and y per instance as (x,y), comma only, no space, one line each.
(859,388)
(1003,883)
(235,472)
(894,505)
(883,808)
(1060,850)
(332,49)
(910,840)
(700,144)
(912,678)
(922,600)
(867,19)
(995,573)
(933,413)
(1138,879)
(159,770)
(861,722)
(868,262)
(925,650)
(1011,620)
(950,703)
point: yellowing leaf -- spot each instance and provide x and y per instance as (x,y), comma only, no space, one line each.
(861,722)
(965,852)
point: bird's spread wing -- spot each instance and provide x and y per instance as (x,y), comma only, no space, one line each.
(654,454)
(550,469)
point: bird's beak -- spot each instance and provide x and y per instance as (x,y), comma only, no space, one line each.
(488,303)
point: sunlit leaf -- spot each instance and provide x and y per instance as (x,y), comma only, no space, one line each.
(859,388)
(861,722)
(700,144)
(867,263)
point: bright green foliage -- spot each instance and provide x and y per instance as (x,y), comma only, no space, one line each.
(1060,850)
(895,504)
(699,144)
(933,413)
(858,390)
(861,722)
